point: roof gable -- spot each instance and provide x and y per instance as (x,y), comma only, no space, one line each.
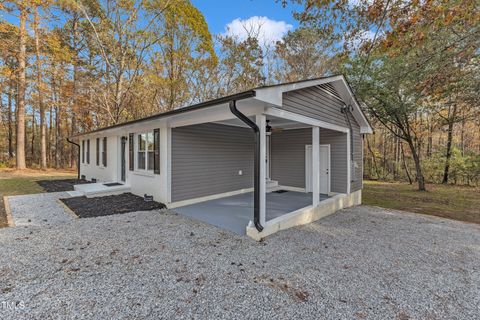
(335,85)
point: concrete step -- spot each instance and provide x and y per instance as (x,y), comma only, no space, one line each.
(271,185)
(99,189)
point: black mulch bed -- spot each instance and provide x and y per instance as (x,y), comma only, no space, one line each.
(104,206)
(60,185)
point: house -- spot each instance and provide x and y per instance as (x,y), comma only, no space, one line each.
(257,161)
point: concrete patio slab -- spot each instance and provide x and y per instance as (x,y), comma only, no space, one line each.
(234,213)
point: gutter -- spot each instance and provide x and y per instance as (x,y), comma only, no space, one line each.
(78,156)
(256,167)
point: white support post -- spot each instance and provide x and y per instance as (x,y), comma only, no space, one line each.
(261,123)
(165,163)
(349,164)
(315,166)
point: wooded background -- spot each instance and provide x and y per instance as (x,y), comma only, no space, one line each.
(71,66)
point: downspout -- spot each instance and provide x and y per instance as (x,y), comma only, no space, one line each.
(78,157)
(345,110)
(256,167)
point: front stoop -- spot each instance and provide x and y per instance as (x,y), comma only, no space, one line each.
(99,189)
(306,215)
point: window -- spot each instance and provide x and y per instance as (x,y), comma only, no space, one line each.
(88,151)
(104,151)
(131,153)
(83,151)
(145,151)
(97,149)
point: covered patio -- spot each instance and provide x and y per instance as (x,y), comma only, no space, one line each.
(235,212)
(297,177)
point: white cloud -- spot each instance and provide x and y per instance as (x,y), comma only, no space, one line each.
(362,37)
(266,30)
(357,3)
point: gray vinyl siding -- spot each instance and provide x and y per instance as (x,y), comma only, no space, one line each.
(315,103)
(288,157)
(287,153)
(357,171)
(338,159)
(206,159)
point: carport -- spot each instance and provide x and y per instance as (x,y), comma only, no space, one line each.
(235,212)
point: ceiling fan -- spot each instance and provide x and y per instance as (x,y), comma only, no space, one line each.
(269,128)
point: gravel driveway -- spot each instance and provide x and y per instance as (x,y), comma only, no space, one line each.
(361,263)
(39,209)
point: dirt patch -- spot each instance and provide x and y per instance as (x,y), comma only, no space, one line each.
(9,173)
(3,215)
(104,206)
(60,185)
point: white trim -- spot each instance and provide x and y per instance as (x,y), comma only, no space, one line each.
(166,163)
(329,176)
(315,166)
(215,114)
(349,164)
(358,114)
(261,123)
(303,119)
(136,147)
(306,215)
(363,159)
(273,94)
(187,202)
(144,173)
(268,155)
(288,188)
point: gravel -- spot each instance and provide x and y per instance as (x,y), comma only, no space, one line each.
(360,263)
(39,209)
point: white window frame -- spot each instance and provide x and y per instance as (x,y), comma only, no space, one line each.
(146,151)
(101,154)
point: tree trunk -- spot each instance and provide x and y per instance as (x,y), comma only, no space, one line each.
(374,159)
(57,138)
(75,19)
(43,131)
(462,135)
(49,136)
(430,137)
(20,156)
(405,164)
(10,119)
(32,144)
(451,121)
(418,166)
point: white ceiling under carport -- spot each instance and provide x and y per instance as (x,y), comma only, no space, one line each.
(275,123)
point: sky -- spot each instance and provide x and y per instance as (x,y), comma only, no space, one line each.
(234,16)
(231,17)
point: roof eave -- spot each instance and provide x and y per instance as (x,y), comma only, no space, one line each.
(198,106)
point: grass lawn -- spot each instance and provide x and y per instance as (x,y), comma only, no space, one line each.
(14,182)
(447,201)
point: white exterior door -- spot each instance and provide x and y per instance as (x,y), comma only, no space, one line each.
(324,164)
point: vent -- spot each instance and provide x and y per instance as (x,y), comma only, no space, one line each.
(328,88)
